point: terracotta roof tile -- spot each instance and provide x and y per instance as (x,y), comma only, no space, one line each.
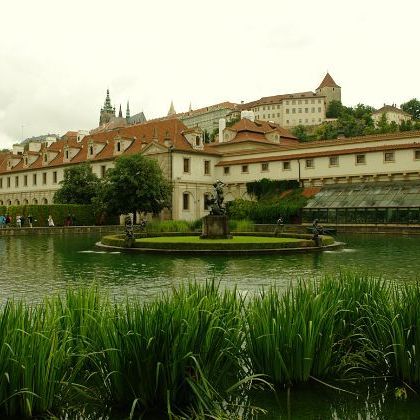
(278,98)
(308,155)
(328,81)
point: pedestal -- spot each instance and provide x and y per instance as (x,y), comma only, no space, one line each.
(215,227)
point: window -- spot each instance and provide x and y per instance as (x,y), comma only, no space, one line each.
(334,161)
(45,157)
(300,110)
(55,177)
(26,161)
(306,110)
(312,109)
(44,178)
(319,109)
(309,163)
(269,115)
(197,140)
(389,157)
(186,165)
(67,154)
(91,150)
(25,180)
(8,182)
(1,182)
(360,159)
(417,154)
(264,167)
(16,181)
(205,201)
(286,166)
(226,170)
(293,110)
(118,147)
(34,179)
(244,168)
(185,201)
(206,167)
(287,110)
(103,171)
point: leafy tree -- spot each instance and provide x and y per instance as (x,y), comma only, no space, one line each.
(383,124)
(300,132)
(412,107)
(334,110)
(79,186)
(135,184)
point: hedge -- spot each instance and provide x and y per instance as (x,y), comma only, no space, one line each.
(83,215)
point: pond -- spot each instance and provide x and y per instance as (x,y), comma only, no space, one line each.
(33,267)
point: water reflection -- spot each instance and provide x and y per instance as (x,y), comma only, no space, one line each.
(32,267)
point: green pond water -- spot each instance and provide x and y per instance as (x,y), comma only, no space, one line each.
(33,267)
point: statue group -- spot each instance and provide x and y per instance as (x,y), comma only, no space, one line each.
(217,208)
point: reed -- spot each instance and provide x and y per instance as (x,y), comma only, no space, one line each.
(178,353)
(404,357)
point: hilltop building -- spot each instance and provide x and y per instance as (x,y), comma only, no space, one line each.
(287,110)
(302,108)
(392,114)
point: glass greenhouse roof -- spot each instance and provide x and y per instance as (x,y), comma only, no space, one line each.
(395,194)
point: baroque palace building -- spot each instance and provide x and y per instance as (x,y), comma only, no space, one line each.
(249,150)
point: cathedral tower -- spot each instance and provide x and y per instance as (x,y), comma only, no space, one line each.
(329,89)
(107,112)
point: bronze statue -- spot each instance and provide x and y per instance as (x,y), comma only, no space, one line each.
(217,208)
(129,231)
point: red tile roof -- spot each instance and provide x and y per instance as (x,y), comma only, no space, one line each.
(328,81)
(278,98)
(306,155)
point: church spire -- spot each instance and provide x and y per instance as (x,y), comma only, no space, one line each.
(120,113)
(127,111)
(171,109)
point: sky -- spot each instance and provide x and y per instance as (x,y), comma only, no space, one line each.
(58,58)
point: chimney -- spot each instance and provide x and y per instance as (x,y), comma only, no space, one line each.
(222,126)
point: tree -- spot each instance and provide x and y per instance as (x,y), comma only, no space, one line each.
(412,107)
(135,184)
(334,110)
(300,132)
(79,186)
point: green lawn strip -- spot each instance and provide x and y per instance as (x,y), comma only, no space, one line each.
(235,239)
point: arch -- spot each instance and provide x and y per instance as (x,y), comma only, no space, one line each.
(34,201)
(9,202)
(25,201)
(1,203)
(44,201)
(17,202)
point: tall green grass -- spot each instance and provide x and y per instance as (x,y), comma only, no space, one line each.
(193,352)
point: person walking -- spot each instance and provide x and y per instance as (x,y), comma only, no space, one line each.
(30,220)
(18,222)
(50,221)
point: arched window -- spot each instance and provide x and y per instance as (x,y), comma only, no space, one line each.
(1,203)
(197,141)
(35,201)
(91,150)
(9,202)
(25,201)
(44,201)
(17,202)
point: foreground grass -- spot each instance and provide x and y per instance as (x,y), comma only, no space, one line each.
(193,353)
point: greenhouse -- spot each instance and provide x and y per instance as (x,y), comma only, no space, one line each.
(384,203)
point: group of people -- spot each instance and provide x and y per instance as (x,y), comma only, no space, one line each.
(7,220)
(22,221)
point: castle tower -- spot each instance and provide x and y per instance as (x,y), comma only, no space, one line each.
(127,112)
(107,111)
(171,109)
(329,89)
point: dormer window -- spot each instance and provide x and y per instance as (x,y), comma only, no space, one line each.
(67,154)
(90,150)
(45,158)
(118,146)
(197,141)
(25,161)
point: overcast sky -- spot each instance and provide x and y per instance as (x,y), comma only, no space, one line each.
(58,58)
